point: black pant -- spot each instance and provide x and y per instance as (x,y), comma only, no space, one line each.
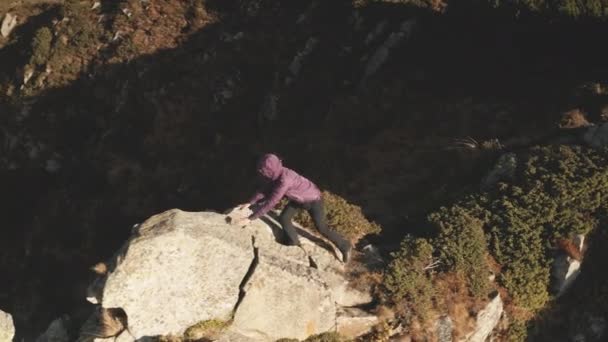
(317,212)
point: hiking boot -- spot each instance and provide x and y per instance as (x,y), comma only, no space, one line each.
(346,253)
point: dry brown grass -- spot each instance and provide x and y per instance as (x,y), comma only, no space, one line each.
(493,265)
(156,25)
(360,276)
(574,118)
(104,323)
(452,298)
(100,268)
(517,313)
(461,306)
(570,248)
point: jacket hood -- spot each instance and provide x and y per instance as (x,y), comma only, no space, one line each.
(270,166)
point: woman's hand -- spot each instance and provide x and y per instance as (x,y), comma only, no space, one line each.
(245,221)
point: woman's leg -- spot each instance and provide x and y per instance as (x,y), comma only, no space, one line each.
(285,219)
(317,212)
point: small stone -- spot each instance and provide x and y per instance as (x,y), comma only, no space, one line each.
(444,327)
(27,75)
(8,24)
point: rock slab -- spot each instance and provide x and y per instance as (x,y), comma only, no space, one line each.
(7,327)
(180,268)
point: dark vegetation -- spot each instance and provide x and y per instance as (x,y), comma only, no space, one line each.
(156,106)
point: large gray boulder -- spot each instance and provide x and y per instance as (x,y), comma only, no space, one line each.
(7,328)
(180,268)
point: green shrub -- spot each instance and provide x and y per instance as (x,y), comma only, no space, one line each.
(558,191)
(590,291)
(84,33)
(41,46)
(407,281)
(82,25)
(566,8)
(126,48)
(517,331)
(342,216)
(462,247)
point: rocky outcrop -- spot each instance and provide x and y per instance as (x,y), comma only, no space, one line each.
(176,270)
(566,268)
(180,268)
(7,329)
(486,321)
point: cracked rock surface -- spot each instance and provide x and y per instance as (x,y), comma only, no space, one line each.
(179,268)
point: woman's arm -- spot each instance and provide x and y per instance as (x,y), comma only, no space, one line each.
(256,197)
(275,196)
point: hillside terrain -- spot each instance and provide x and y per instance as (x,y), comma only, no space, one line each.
(114,111)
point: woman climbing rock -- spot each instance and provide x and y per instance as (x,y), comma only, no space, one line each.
(279,182)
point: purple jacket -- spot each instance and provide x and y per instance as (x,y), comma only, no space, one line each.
(281,182)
